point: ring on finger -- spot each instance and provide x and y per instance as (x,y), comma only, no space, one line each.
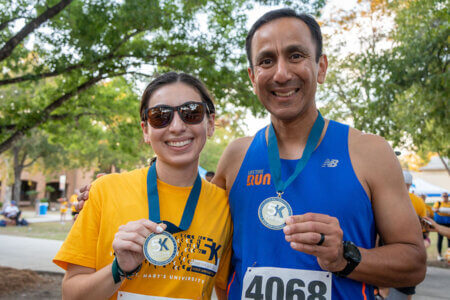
(322,239)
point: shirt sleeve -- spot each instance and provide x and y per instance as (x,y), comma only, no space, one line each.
(80,246)
(224,266)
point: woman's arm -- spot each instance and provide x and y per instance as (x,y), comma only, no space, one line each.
(85,283)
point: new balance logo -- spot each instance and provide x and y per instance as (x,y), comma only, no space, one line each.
(330,163)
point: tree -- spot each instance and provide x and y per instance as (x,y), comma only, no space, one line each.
(82,43)
(397,85)
(27,151)
(105,133)
(226,130)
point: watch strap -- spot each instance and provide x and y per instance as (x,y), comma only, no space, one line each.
(118,273)
(352,262)
(347,270)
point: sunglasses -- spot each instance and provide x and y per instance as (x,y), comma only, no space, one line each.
(190,112)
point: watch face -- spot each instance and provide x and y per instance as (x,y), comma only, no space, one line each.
(351,252)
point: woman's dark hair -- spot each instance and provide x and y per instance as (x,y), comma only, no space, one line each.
(174,77)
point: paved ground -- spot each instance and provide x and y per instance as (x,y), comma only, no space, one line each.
(50,216)
(37,254)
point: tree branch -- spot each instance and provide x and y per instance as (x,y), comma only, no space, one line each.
(30,163)
(45,115)
(444,163)
(79,65)
(30,27)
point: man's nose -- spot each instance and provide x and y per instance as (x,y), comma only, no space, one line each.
(282,72)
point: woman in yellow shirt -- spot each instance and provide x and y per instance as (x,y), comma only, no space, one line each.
(160,231)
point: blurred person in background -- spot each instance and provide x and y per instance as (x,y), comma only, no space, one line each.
(442,217)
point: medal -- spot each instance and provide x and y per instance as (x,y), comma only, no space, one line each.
(161,248)
(273,211)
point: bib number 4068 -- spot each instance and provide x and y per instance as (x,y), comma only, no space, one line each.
(278,284)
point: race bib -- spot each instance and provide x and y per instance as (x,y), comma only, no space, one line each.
(278,284)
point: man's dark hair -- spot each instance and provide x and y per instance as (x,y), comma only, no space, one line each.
(285,13)
(210,173)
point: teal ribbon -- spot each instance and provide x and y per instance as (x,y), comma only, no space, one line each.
(274,154)
(153,202)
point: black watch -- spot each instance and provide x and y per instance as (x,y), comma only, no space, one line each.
(352,256)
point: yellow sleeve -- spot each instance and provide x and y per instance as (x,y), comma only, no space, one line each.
(419,206)
(224,268)
(80,246)
(436,204)
(430,212)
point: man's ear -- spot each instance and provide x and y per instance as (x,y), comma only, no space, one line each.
(323,66)
(251,75)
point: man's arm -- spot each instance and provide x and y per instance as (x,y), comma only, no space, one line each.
(402,260)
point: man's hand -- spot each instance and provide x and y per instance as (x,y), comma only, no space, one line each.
(82,197)
(304,233)
(84,194)
(130,239)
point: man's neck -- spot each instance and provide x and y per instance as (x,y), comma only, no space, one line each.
(175,175)
(292,135)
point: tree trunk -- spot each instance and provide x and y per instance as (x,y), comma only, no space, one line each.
(444,163)
(18,167)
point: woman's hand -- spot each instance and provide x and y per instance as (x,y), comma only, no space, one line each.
(129,240)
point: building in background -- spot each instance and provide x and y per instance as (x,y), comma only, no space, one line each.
(436,174)
(46,186)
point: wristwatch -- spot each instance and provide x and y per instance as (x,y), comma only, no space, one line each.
(352,256)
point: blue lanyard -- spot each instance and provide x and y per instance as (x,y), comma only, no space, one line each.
(274,154)
(153,202)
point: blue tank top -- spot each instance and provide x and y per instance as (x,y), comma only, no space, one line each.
(327,185)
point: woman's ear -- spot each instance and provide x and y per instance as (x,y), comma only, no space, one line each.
(211,125)
(144,126)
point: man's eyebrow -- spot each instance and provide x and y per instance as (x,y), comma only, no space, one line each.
(262,54)
(298,48)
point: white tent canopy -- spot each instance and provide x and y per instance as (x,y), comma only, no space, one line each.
(422,187)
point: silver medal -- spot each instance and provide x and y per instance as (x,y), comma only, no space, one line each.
(273,211)
(160,248)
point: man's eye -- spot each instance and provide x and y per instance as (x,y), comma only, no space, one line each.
(296,56)
(266,61)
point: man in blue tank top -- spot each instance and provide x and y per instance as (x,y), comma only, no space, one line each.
(308,195)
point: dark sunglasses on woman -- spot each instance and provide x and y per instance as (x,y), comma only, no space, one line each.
(190,112)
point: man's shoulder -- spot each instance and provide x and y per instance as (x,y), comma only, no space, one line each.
(231,161)
(239,145)
(367,143)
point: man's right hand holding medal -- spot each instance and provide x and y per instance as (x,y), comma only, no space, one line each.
(319,235)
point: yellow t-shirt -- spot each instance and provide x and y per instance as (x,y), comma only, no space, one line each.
(73,201)
(418,204)
(439,204)
(117,199)
(63,207)
(430,212)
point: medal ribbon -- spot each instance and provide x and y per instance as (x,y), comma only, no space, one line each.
(274,154)
(153,202)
